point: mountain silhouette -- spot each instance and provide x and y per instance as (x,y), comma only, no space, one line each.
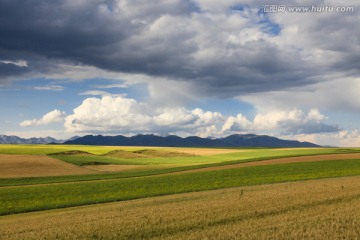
(236,140)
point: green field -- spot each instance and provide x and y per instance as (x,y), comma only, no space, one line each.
(162,172)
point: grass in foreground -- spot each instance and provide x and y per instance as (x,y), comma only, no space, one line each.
(34,198)
(317,209)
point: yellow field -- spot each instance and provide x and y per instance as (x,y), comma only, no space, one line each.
(317,209)
(16,166)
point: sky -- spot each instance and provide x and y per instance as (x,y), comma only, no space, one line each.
(187,67)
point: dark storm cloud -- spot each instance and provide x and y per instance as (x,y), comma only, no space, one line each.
(339,34)
(170,39)
(10,69)
(52,29)
(89,32)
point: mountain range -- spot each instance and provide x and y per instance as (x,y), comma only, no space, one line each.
(236,140)
(4,139)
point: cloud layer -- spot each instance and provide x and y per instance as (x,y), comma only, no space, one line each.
(223,49)
(121,115)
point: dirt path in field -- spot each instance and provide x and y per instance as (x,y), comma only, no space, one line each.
(18,166)
(316,158)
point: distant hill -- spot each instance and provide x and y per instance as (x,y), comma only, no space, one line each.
(236,140)
(4,139)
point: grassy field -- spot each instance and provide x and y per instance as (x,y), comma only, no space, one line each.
(176,173)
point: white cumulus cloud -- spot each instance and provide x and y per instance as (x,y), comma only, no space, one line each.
(292,122)
(238,124)
(49,118)
(116,114)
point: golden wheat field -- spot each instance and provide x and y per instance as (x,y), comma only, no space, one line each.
(316,209)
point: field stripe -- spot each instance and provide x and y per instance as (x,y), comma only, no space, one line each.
(10,183)
(283,160)
(36,198)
